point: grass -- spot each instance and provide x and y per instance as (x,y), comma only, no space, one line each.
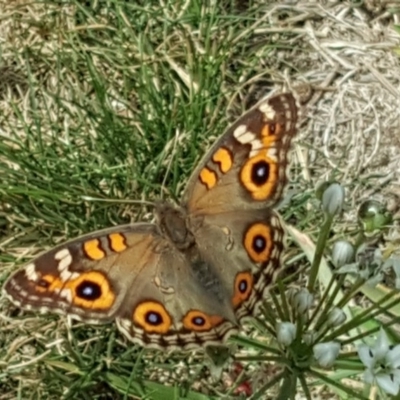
(117,101)
(109,100)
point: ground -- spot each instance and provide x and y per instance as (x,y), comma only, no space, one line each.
(118,101)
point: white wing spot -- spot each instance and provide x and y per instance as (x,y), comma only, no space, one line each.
(62,254)
(267,110)
(246,138)
(30,272)
(65,258)
(239,131)
(65,294)
(256,146)
(272,154)
(157,281)
(65,262)
(226,230)
(66,275)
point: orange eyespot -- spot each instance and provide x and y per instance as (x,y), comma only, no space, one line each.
(258,242)
(198,321)
(152,317)
(243,287)
(89,290)
(259,176)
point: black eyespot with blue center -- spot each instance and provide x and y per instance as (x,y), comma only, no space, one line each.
(243,286)
(153,318)
(199,321)
(259,243)
(88,290)
(260,173)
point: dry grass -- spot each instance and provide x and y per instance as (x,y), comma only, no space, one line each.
(119,100)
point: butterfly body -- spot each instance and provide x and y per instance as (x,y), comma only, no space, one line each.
(190,278)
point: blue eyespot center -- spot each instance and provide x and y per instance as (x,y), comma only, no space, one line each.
(88,290)
(154,318)
(259,244)
(260,173)
(243,286)
(199,321)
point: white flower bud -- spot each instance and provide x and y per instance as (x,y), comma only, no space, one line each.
(336,317)
(333,199)
(286,333)
(302,300)
(326,353)
(342,253)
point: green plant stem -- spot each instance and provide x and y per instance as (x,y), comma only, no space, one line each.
(319,251)
(288,387)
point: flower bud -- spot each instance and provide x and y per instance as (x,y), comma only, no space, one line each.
(342,253)
(333,199)
(285,333)
(302,300)
(336,317)
(326,353)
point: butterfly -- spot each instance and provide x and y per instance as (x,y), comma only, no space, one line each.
(191,278)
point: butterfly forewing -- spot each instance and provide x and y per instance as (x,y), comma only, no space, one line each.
(89,277)
(247,165)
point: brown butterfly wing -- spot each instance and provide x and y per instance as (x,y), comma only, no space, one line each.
(187,307)
(229,199)
(89,277)
(246,167)
(248,260)
(159,297)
